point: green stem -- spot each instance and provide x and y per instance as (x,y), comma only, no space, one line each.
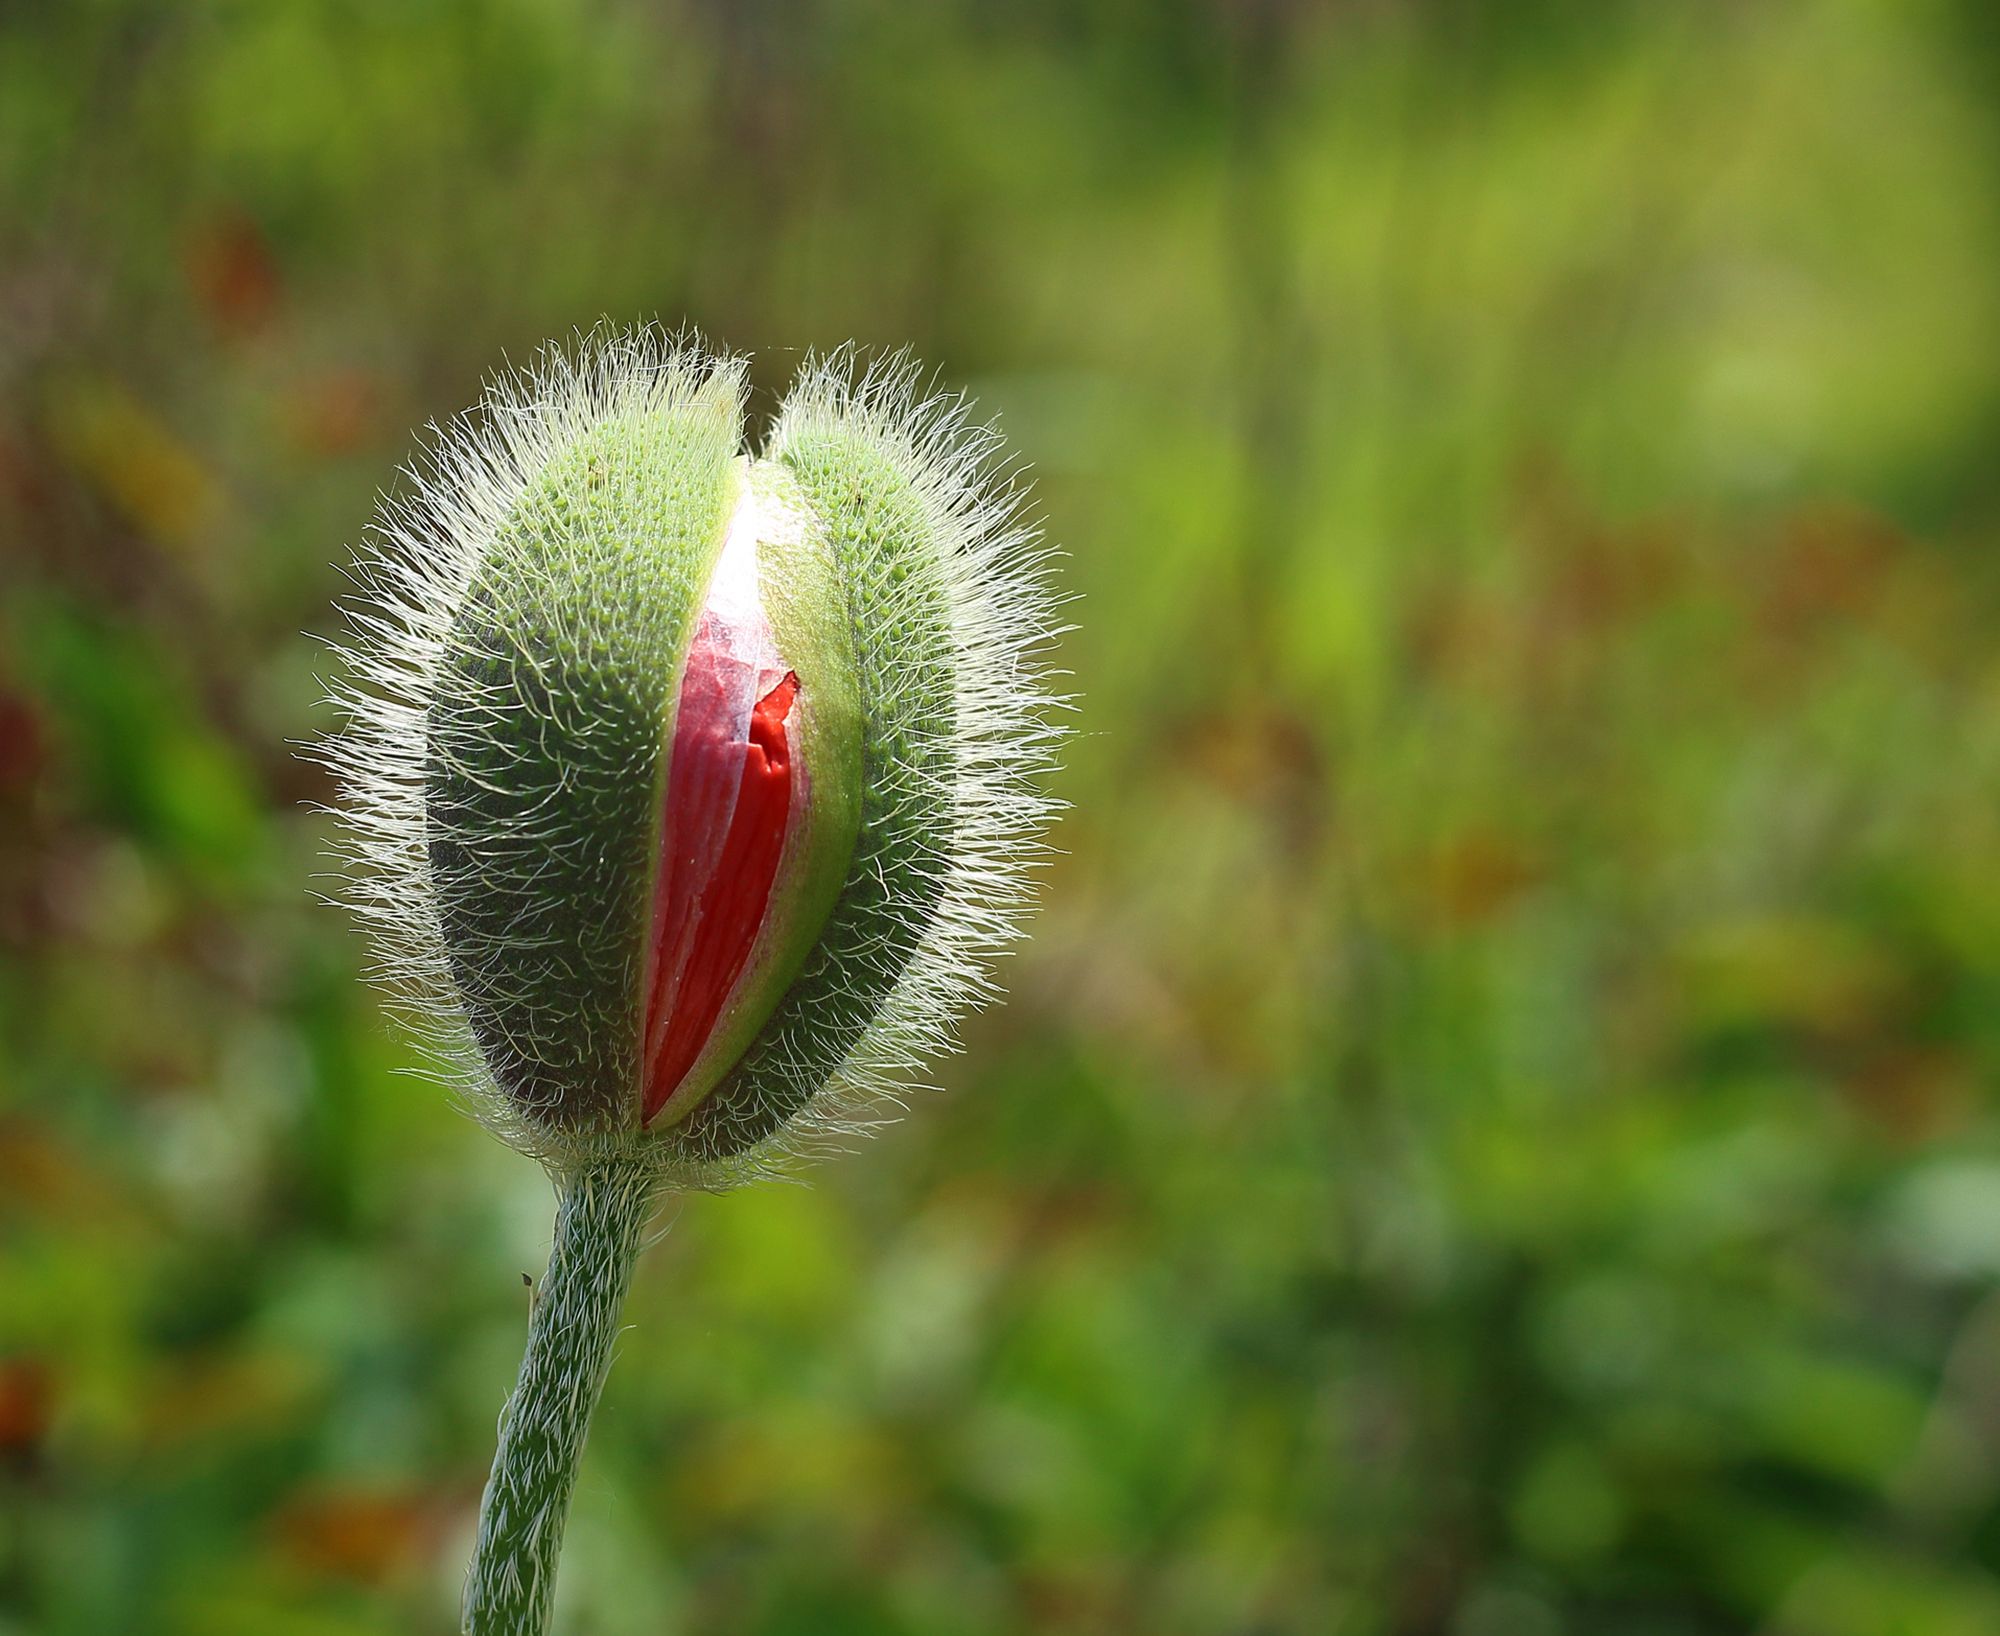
(600,1217)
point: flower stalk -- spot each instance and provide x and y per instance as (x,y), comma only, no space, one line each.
(601,1213)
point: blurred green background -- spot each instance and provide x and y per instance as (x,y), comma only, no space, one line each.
(1495,1133)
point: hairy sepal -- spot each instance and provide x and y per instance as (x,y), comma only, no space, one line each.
(940,586)
(551,704)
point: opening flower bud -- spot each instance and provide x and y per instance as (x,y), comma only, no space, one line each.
(750,839)
(692,790)
(688,794)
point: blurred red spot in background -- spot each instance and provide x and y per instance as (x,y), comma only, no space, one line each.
(27,1395)
(1473,877)
(232,272)
(364,1535)
(335,412)
(24,480)
(21,742)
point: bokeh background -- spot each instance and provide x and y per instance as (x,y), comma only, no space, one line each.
(1495,1133)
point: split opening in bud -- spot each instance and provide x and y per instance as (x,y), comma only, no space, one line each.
(733,786)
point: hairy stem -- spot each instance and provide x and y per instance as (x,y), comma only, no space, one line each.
(601,1215)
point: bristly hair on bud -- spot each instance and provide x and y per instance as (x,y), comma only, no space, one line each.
(689,795)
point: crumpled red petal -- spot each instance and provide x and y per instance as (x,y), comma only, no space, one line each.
(729,800)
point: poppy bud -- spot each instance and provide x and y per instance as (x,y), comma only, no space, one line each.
(689,794)
(692,791)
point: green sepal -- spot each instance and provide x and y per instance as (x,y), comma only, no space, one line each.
(546,743)
(883,549)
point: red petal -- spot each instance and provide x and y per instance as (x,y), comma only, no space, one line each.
(729,797)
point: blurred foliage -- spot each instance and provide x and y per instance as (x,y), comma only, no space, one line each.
(1495,1134)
